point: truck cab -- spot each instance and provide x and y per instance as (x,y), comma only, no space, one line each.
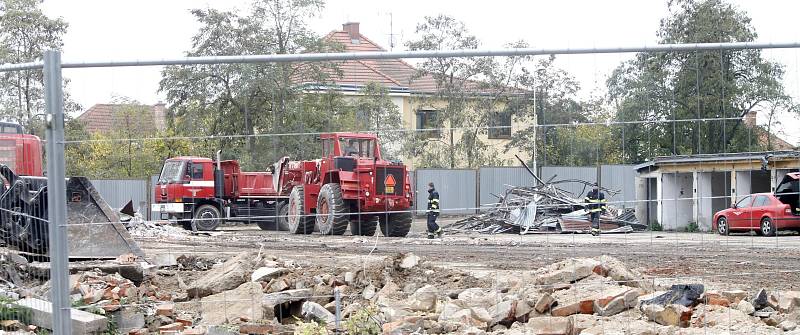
(22,152)
(185,184)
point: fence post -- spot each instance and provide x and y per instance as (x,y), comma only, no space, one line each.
(56,193)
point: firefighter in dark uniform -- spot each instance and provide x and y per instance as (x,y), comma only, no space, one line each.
(433,212)
(596,204)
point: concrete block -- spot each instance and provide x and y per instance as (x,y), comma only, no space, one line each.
(82,322)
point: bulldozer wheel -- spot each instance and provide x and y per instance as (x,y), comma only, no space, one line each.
(207,217)
(298,222)
(364,225)
(332,216)
(395,224)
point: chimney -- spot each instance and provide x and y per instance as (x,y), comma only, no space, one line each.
(160,116)
(352,29)
(750,118)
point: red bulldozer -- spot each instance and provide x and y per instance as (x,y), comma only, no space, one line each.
(350,186)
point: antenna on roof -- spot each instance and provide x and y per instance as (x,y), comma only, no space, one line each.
(391,32)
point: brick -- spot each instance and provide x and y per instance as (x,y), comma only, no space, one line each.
(550,325)
(140,331)
(165,309)
(195,331)
(256,329)
(172,327)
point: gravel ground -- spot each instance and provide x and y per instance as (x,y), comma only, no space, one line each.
(740,261)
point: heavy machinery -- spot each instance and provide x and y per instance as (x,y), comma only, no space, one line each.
(94,229)
(351,185)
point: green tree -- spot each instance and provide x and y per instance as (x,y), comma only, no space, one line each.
(254,100)
(470,93)
(374,111)
(25,34)
(661,87)
(554,92)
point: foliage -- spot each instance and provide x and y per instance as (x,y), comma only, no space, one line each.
(692,227)
(655,226)
(658,87)
(25,34)
(363,322)
(310,328)
(9,310)
(128,151)
(373,110)
(470,93)
(255,100)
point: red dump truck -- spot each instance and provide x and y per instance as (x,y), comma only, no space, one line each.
(350,186)
(19,151)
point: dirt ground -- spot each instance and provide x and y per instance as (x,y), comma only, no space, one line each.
(739,261)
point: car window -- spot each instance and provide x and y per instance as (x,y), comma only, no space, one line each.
(744,203)
(760,201)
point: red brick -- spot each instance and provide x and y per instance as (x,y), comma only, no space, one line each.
(172,327)
(256,329)
(165,309)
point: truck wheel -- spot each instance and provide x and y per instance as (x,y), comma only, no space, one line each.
(332,216)
(279,223)
(768,227)
(206,218)
(395,224)
(364,225)
(298,222)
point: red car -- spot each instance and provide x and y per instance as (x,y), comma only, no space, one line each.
(764,212)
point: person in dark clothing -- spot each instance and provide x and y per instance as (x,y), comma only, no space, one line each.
(351,149)
(596,204)
(433,212)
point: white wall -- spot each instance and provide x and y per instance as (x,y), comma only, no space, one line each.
(704,210)
(677,209)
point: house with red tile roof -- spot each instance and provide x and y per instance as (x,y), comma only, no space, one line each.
(407,87)
(144,119)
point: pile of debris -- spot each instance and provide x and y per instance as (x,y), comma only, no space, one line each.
(547,207)
(138,227)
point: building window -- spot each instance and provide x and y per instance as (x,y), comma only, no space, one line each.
(500,125)
(427,125)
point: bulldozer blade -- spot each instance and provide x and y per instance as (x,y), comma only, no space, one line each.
(128,209)
(94,229)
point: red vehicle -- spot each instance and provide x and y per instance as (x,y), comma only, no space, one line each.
(766,213)
(350,186)
(20,151)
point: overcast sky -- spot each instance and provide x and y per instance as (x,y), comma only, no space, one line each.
(146,29)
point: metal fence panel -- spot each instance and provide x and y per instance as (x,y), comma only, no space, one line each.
(621,178)
(493,181)
(457,190)
(117,192)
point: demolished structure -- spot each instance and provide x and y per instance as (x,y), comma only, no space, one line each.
(547,207)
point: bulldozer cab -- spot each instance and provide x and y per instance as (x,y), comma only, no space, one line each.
(351,145)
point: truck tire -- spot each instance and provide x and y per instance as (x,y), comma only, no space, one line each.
(279,223)
(207,218)
(298,222)
(332,213)
(395,224)
(364,225)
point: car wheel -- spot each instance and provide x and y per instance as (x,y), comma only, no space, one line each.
(722,226)
(768,227)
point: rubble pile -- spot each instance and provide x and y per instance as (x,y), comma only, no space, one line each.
(138,227)
(258,293)
(547,208)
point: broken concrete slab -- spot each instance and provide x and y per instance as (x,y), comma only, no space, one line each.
(544,303)
(424,299)
(581,298)
(230,306)
(478,297)
(409,261)
(746,307)
(267,273)
(82,322)
(314,311)
(567,271)
(224,277)
(550,325)
(668,315)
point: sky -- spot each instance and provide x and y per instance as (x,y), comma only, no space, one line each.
(152,29)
